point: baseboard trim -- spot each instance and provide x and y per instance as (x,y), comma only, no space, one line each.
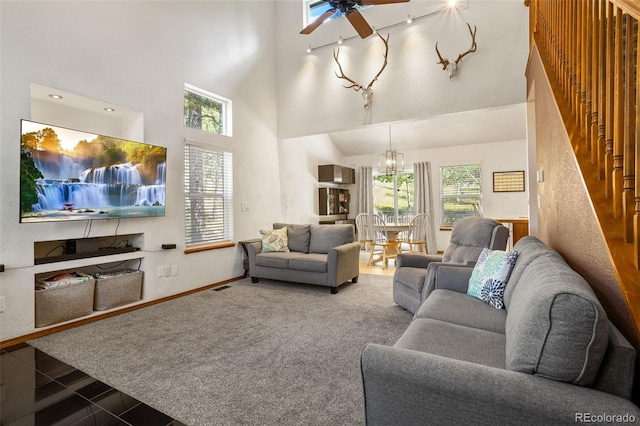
(82,321)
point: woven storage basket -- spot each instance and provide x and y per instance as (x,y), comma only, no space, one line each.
(117,290)
(63,303)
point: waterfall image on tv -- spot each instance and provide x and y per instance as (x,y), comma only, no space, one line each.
(68,174)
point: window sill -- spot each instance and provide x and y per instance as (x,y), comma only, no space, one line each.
(196,248)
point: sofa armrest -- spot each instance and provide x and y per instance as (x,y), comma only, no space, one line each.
(253,248)
(416,260)
(408,387)
(451,277)
(343,263)
(447,276)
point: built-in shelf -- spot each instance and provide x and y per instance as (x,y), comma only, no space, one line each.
(74,292)
(65,257)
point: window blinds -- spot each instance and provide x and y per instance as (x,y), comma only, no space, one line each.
(208,182)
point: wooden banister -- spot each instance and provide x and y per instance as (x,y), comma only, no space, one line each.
(591,53)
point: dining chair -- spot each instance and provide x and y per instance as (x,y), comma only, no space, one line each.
(417,240)
(404,219)
(364,230)
(381,244)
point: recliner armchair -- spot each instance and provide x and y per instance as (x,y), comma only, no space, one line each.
(414,277)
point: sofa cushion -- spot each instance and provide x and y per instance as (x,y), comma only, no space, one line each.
(556,327)
(528,248)
(312,262)
(275,259)
(274,240)
(326,237)
(454,341)
(490,275)
(298,235)
(462,309)
(614,376)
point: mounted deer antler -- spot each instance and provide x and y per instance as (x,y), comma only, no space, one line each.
(367,91)
(453,67)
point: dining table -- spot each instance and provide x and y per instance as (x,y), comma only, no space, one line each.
(393,230)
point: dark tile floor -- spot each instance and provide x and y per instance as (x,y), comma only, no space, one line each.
(37,389)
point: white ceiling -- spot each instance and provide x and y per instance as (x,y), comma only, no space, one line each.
(465,128)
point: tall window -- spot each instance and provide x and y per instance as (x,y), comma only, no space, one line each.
(206,111)
(460,192)
(393,195)
(208,196)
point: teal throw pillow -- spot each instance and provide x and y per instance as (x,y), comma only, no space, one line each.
(490,276)
(274,240)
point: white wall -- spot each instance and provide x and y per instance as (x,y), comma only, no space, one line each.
(299,161)
(139,55)
(312,100)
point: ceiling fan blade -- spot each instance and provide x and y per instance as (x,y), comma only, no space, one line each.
(357,20)
(315,24)
(374,2)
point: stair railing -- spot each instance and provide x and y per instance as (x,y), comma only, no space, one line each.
(590,49)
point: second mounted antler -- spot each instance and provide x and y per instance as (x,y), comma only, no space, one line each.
(367,91)
(453,66)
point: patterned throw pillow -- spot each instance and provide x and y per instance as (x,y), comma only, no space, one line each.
(490,276)
(274,240)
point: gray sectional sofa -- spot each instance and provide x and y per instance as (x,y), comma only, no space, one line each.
(326,255)
(551,357)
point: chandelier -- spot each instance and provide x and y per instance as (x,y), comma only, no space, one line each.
(391,162)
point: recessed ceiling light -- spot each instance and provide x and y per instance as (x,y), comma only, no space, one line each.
(54,96)
(109,109)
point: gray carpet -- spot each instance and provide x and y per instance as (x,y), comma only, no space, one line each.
(270,353)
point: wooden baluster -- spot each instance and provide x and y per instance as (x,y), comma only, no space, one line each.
(636,217)
(588,72)
(559,43)
(585,73)
(609,121)
(628,166)
(579,66)
(574,58)
(594,63)
(566,70)
(618,131)
(602,87)
(553,37)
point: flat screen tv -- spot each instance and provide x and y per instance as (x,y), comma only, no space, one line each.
(68,174)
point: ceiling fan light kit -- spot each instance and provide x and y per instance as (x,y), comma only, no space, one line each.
(349,8)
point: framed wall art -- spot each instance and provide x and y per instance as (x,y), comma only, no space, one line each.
(512,181)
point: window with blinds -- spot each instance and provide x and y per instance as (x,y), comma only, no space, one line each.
(208,187)
(460,192)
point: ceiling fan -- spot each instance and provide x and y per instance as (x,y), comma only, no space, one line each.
(349,9)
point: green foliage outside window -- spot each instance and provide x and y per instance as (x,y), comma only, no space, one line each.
(460,191)
(203,113)
(384,187)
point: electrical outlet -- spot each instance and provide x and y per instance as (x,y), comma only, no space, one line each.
(160,271)
(2,303)
(174,269)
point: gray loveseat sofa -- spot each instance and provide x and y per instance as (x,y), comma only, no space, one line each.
(326,255)
(551,357)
